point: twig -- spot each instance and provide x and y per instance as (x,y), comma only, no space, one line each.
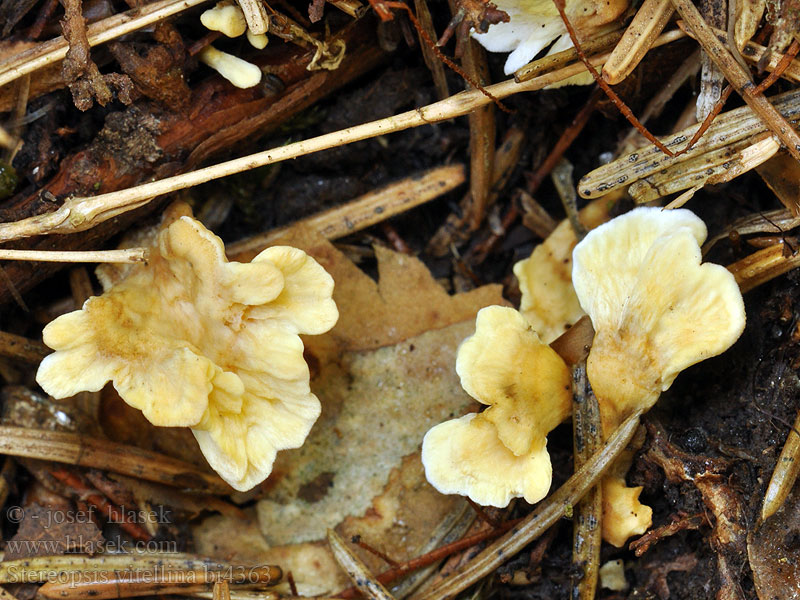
(481,251)
(621,106)
(21,348)
(543,516)
(736,126)
(739,77)
(79,214)
(646,26)
(356,539)
(434,556)
(587,520)
(84,451)
(128,255)
(356,570)
(367,210)
(551,62)
(121,584)
(677,523)
(565,186)
(97,33)
(113,513)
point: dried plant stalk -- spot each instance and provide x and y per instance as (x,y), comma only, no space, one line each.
(587,522)
(256,16)
(366,210)
(356,570)
(128,255)
(714,167)
(646,26)
(41,569)
(764,265)
(785,473)
(21,348)
(738,77)
(83,451)
(776,221)
(728,129)
(106,585)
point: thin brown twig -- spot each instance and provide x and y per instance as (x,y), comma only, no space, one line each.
(482,514)
(98,501)
(782,65)
(621,106)
(433,556)
(356,539)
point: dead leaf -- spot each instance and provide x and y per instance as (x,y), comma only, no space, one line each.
(376,408)
(405,302)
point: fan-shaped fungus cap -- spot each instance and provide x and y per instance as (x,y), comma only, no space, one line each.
(655,309)
(501,453)
(548,300)
(534,24)
(193,340)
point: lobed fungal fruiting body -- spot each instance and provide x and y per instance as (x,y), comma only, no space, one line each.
(656,310)
(193,340)
(501,453)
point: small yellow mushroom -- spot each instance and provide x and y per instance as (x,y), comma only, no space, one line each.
(238,71)
(193,340)
(656,311)
(225,18)
(545,277)
(501,453)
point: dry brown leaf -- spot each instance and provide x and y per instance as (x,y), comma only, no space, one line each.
(376,408)
(46,531)
(405,302)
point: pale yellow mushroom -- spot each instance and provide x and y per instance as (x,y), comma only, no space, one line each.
(656,310)
(501,453)
(225,18)
(545,277)
(238,71)
(193,340)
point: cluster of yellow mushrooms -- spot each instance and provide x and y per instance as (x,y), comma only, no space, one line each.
(194,340)
(656,310)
